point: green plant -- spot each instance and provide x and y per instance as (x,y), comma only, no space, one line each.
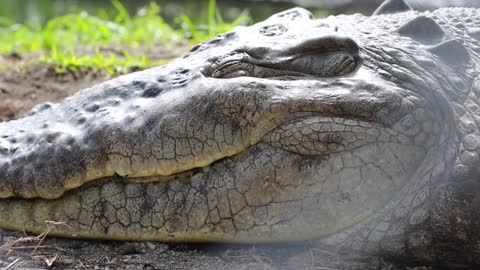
(111,63)
(61,37)
(215,24)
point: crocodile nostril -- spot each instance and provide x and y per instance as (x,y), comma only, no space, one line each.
(139,84)
(152,92)
(273,30)
(92,107)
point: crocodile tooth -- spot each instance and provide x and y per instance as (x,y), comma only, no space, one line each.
(392,6)
(452,52)
(423,29)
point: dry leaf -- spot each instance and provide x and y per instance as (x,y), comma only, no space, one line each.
(48,260)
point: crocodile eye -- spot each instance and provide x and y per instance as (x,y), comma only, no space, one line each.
(327,57)
(323,135)
(233,69)
(328,64)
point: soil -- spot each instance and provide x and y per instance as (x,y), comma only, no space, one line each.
(20,90)
(23,88)
(24,84)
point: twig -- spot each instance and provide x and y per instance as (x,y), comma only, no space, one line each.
(332,254)
(30,247)
(49,259)
(8,246)
(12,264)
(266,265)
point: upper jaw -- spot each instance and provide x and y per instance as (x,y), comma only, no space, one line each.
(248,109)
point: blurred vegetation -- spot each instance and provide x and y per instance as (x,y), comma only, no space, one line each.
(60,37)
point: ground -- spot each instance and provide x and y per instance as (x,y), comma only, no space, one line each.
(20,90)
(76,254)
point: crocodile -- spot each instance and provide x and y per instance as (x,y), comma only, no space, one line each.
(359,131)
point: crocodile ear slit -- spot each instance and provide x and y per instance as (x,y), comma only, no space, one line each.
(422,29)
(392,6)
(452,52)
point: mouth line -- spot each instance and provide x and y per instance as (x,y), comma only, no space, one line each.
(192,171)
(207,168)
(295,117)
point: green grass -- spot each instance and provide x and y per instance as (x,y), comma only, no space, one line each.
(215,24)
(60,37)
(68,60)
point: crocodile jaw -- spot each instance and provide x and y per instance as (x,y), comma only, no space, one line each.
(292,188)
(290,198)
(275,189)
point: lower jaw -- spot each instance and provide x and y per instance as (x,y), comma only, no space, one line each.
(213,205)
(91,221)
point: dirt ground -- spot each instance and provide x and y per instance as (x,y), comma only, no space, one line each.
(81,254)
(20,90)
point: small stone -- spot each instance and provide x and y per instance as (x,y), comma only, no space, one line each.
(127,249)
(151,246)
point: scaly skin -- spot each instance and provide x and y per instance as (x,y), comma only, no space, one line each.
(359,131)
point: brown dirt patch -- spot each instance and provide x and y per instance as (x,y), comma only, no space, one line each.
(82,254)
(24,84)
(20,90)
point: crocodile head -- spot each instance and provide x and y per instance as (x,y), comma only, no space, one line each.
(345,129)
